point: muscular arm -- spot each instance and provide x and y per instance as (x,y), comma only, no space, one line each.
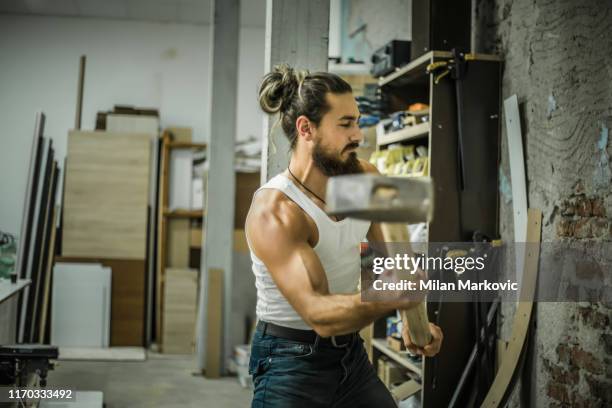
(278,232)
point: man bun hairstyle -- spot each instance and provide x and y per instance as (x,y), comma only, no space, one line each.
(292,94)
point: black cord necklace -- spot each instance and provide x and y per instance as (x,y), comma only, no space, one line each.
(302,184)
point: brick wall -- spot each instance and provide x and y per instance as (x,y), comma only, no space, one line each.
(558,59)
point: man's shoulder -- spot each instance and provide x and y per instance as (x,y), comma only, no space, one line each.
(271,208)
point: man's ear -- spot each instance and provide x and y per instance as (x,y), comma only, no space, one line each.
(304,127)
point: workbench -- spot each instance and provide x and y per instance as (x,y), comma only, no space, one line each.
(9,302)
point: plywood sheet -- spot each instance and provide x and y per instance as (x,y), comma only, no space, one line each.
(127,299)
(81,305)
(214,327)
(107,186)
(132,123)
(180,304)
(178,243)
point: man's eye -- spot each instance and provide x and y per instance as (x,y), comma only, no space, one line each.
(345,125)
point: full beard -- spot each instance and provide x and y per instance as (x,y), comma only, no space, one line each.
(333,165)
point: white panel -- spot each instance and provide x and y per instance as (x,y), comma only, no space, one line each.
(517,168)
(518,180)
(81,305)
(181,162)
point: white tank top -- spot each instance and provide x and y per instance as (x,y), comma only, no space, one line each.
(337,248)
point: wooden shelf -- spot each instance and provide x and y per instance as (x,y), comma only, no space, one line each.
(381,345)
(416,71)
(186,145)
(183,213)
(408,133)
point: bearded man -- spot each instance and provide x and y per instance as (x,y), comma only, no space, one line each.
(306,351)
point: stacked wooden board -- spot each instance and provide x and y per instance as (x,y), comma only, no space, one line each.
(179,311)
(106,197)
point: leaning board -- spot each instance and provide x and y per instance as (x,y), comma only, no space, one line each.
(106,193)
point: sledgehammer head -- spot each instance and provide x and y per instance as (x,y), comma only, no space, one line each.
(379,198)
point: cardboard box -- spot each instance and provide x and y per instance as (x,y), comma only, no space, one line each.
(395,344)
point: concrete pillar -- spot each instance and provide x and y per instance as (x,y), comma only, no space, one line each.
(297,33)
(219,219)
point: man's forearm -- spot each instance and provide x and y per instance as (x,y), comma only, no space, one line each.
(333,315)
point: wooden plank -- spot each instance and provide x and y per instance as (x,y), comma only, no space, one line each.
(214,327)
(406,390)
(180,134)
(161,233)
(178,243)
(180,304)
(47,279)
(503,383)
(106,194)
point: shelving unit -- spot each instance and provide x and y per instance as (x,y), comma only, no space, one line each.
(457,212)
(404,135)
(165,215)
(400,358)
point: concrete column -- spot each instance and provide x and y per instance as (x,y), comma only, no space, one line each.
(297,33)
(219,219)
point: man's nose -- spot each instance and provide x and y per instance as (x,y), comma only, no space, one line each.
(357,136)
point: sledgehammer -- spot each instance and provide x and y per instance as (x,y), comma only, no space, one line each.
(393,202)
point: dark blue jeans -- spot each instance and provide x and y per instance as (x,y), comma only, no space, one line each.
(288,374)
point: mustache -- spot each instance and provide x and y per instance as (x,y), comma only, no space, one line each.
(353,145)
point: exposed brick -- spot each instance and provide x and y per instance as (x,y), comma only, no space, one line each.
(583,206)
(598,208)
(561,375)
(599,227)
(565,228)
(585,360)
(568,207)
(582,228)
(558,392)
(594,318)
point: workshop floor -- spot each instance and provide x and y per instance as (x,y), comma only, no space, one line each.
(160,381)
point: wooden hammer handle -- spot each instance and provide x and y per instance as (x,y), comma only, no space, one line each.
(418,322)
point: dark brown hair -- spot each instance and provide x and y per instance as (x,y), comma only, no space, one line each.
(295,93)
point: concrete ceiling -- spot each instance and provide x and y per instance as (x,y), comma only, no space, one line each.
(174,11)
